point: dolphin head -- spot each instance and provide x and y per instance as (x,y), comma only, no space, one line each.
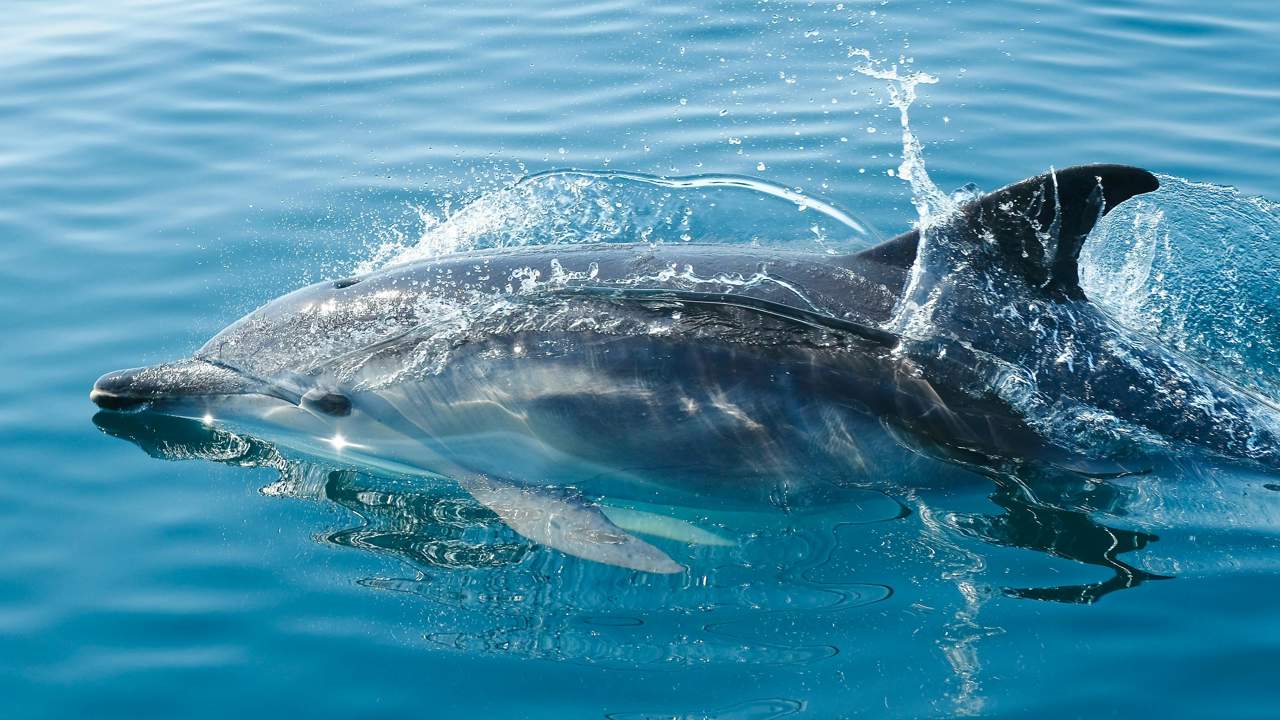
(262,372)
(278,353)
(271,374)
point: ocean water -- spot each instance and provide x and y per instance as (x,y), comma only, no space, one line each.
(166,167)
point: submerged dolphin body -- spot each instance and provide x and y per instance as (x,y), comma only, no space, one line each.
(540,377)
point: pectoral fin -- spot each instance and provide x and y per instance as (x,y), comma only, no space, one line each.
(663,526)
(568,524)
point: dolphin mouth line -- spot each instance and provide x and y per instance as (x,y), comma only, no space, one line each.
(315,399)
(256,384)
(116,402)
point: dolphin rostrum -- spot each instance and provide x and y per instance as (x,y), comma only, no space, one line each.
(543,379)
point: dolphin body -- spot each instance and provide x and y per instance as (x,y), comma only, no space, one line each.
(542,379)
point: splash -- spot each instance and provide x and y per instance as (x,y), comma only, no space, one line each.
(931,203)
(1195,267)
(912,317)
(564,207)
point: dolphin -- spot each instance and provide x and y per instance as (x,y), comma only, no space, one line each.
(554,382)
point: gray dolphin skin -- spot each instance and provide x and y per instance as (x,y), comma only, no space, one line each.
(543,379)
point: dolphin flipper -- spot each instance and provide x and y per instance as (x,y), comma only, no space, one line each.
(661,525)
(566,523)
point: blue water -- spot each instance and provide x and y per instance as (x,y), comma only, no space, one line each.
(167,166)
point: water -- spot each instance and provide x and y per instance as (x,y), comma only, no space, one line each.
(166,167)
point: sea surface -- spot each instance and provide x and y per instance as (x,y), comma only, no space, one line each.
(167,166)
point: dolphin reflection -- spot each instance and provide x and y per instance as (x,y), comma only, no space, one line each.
(433,526)
(1031,521)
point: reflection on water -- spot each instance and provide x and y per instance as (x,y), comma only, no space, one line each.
(493,591)
(774,595)
(1030,521)
(428,530)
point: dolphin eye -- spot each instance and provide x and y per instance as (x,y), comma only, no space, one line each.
(327,403)
(345,283)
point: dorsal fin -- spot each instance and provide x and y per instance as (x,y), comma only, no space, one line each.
(1039,224)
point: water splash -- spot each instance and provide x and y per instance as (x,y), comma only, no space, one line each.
(912,316)
(1197,268)
(931,202)
(562,207)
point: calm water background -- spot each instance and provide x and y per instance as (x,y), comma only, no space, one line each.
(167,166)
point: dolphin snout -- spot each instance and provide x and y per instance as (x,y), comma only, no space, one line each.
(160,386)
(120,390)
